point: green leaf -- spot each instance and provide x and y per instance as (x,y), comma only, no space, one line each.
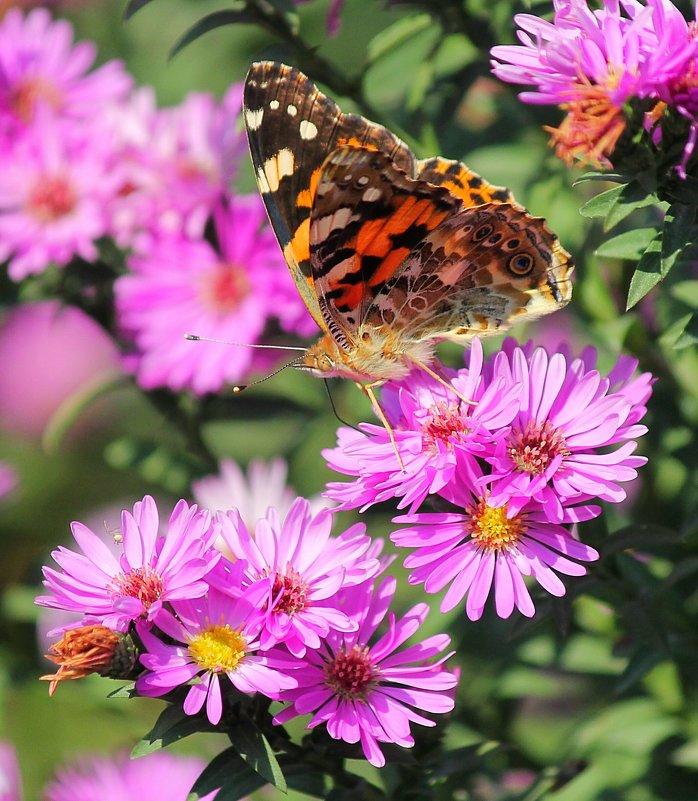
(254,748)
(395,35)
(249,15)
(628,245)
(611,177)
(133,6)
(229,774)
(172,725)
(686,292)
(127,691)
(648,273)
(154,463)
(678,225)
(600,205)
(631,197)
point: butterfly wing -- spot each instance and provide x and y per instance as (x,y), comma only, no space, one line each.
(461,181)
(291,128)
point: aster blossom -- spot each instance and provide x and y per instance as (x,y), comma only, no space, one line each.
(362,687)
(294,570)
(489,545)
(436,432)
(573,437)
(147,570)
(215,636)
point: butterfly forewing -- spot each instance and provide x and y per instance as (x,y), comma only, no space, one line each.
(461,181)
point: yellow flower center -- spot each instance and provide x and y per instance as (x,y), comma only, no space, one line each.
(218,648)
(492,529)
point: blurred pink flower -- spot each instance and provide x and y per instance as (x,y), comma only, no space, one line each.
(55,182)
(362,687)
(333,15)
(55,353)
(10,779)
(179,286)
(41,66)
(119,778)
(8,481)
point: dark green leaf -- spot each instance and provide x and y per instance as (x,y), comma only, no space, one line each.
(611,177)
(638,667)
(248,15)
(126,691)
(600,205)
(689,335)
(673,335)
(628,245)
(639,535)
(396,35)
(154,463)
(631,197)
(678,225)
(229,774)
(172,725)
(254,748)
(133,6)
(648,273)
(686,292)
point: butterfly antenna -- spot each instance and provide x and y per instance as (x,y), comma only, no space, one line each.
(197,338)
(334,408)
(294,363)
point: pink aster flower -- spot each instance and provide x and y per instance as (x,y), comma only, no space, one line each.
(177,163)
(486,544)
(365,689)
(41,66)
(574,436)
(592,62)
(435,431)
(215,635)
(294,570)
(10,779)
(333,15)
(54,187)
(151,570)
(116,778)
(181,286)
(8,480)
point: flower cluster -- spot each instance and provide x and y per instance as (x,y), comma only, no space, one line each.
(287,611)
(84,156)
(594,62)
(541,436)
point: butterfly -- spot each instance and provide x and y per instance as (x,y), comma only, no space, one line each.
(390,254)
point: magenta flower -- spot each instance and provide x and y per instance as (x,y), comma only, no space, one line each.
(559,448)
(54,187)
(8,480)
(294,570)
(592,62)
(149,778)
(151,570)
(217,636)
(365,689)
(179,286)
(10,778)
(333,15)
(486,543)
(41,66)
(435,431)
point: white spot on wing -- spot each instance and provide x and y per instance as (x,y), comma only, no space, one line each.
(292,110)
(307,129)
(253,118)
(371,194)
(269,175)
(273,104)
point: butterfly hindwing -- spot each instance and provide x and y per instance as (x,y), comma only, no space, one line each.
(367,217)
(291,128)
(462,182)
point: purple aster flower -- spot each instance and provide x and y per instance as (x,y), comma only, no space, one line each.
(151,569)
(149,778)
(181,286)
(215,635)
(40,65)
(591,62)
(435,431)
(10,779)
(485,543)
(365,689)
(294,570)
(560,446)
(54,187)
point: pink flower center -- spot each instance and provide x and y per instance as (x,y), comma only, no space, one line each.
(52,197)
(289,592)
(532,449)
(225,287)
(490,527)
(351,674)
(444,423)
(26,94)
(142,583)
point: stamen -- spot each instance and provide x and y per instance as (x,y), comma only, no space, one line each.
(535,447)
(218,648)
(142,583)
(490,527)
(289,592)
(351,674)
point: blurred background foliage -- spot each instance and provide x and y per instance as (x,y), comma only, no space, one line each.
(596,697)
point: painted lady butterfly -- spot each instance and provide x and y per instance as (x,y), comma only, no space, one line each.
(389,253)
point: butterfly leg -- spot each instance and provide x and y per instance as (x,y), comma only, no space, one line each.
(441,380)
(367,389)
